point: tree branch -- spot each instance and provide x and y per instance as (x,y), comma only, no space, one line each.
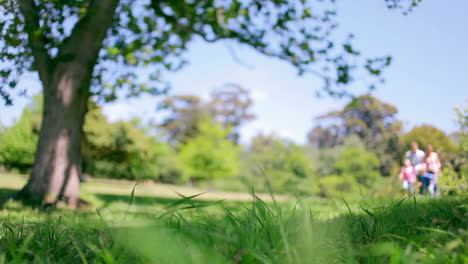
(88,35)
(37,40)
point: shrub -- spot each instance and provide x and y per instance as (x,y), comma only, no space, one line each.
(278,163)
(358,164)
(210,155)
(336,185)
(452,182)
(18,143)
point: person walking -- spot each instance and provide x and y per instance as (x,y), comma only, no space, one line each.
(434,168)
(416,157)
(408,175)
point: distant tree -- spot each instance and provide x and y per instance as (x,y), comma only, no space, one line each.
(441,142)
(348,168)
(372,120)
(230,105)
(320,137)
(283,163)
(110,150)
(121,150)
(209,155)
(428,134)
(367,116)
(184,115)
(18,142)
(325,158)
(359,164)
(336,186)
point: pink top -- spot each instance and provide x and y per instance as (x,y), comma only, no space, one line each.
(433,162)
(409,174)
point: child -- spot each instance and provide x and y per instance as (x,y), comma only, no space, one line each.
(408,174)
(425,179)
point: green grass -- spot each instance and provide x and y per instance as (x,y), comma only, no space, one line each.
(119,228)
(144,189)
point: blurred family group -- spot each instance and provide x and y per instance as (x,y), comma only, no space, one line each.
(421,169)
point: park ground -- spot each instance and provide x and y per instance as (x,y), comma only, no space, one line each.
(127,222)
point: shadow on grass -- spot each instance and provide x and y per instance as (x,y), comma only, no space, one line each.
(6,194)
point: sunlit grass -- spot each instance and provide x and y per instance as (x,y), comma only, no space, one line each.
(143,189)
(142,229)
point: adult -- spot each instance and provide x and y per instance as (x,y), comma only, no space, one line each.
(434,168)
(416,157)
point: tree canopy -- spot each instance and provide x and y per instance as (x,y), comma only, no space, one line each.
(230,105)
(369,118)
(282,163)
(38,35)
(428,134)
(18,143)
(122,149)
(210,155)
(184,114)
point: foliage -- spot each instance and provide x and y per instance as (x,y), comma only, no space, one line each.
(210,155)
(427,134)
(168,164)
(120,150)
(452,182)
(358,164)
(157,33)
(230,105)
(185,114)
(325,137)
(18,142)
(325,158)
(386,187)
(336,186)
(110,150)
(369,118)
(353,168)
(462,155)
(282,163)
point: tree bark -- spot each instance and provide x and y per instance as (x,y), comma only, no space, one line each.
(57,166)
(66,81)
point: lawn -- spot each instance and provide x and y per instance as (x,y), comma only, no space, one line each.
(151,228)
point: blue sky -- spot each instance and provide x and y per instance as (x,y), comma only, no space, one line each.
(425,81)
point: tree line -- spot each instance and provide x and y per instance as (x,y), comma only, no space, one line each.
(350,149)
(83,49)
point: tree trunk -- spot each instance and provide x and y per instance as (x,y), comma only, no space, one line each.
(57,166)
